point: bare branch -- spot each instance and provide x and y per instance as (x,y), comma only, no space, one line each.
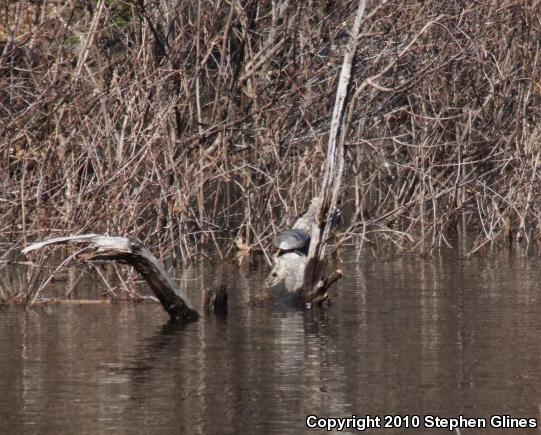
(134,253)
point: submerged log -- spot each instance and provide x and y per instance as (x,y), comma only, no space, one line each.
(286,282)
(134,253)
(216,301)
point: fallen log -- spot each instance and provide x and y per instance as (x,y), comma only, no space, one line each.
(134,253)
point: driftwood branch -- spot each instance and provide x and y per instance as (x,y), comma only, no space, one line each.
(319,294)
(134,253)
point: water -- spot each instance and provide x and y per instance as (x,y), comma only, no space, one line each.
(404,336)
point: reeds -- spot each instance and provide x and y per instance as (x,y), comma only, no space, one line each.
(192,124)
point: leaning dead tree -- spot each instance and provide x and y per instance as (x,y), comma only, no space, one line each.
(134,253)
(302,274)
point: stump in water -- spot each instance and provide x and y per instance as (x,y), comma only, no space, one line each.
(287,280)
(216,301)
(134,253)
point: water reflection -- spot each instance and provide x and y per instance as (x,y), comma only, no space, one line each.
(404,336)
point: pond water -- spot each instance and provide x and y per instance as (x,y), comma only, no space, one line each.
(405,336)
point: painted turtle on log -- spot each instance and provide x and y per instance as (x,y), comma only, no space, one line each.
(294,246)
(295,239)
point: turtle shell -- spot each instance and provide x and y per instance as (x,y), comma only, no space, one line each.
(291,239)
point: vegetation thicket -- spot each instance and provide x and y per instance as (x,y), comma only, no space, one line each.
(192,124)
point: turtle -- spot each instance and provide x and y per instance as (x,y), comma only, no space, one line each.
(293,240)
(298,238)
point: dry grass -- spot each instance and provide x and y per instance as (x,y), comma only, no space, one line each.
(192,124)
